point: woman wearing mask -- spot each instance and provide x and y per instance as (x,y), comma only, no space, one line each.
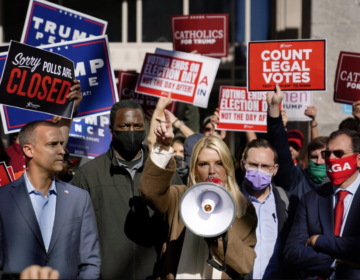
(179,259)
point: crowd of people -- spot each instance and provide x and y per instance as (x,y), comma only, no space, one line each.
(118,216)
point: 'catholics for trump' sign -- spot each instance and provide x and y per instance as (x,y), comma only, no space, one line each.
(347,78)
(47,23)
(294,65)
(37,80)
(206,34)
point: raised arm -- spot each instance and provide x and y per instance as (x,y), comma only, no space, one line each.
(311,112)
(65,124)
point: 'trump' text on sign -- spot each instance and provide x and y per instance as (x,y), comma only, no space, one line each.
(294,65)
(207,34)
(48,23)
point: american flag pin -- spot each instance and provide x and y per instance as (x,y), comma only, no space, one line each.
(66,191)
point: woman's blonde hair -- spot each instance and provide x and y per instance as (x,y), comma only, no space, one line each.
(216,144)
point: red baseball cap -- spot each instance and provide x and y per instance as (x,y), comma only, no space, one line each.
(296,136)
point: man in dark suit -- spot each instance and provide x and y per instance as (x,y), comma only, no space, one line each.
(325,238)
(44,221)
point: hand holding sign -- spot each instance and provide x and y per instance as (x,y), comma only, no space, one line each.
(274,100)
(75,94)
(356,110)
(164,132)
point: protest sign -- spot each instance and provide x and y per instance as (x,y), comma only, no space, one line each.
(189,77)
(295,103)
(347,78)
(206,34)
(48,23)
(90,136)
(347,109)
(126,90)
(240,110)
(37,80)
(93,70)
(5,177)
(298,65)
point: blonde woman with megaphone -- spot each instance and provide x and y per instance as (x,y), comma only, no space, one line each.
(184,254)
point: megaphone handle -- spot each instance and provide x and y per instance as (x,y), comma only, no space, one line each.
(211,260)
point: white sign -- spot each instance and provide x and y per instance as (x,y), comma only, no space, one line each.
(295,104)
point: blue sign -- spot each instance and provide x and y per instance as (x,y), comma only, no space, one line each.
(92,69)
(47,23)
(89,137)
(347,109)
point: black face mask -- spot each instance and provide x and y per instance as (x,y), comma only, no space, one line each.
(128,143)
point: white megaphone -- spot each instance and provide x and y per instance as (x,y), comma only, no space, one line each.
(207,209)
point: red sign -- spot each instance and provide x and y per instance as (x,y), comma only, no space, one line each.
(126,90)
(4,175)
(295,65)
(205,34)
(347,78)
(240,110)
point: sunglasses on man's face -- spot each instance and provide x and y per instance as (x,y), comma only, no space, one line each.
(337,153)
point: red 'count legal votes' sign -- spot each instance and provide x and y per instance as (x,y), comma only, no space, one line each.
(294,65)
(206,34)
(240,110)
(347,78)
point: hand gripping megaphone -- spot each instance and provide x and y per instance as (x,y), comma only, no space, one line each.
(207,209)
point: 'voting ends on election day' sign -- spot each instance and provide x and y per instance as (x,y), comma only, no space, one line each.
(94,71)
(207,34)
(90,136)
(189,77)
(298,65)
(295,103)
(347,78)
(37,80)
(47,23)
(126,89)
(241,110)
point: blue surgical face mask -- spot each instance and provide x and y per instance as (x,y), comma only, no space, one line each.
(257,179)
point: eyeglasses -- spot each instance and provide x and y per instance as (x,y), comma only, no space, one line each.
(263,167)
(337,153)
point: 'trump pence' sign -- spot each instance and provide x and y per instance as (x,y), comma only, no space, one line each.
(188,77)
(206,34)
(240,110)
(294,65)
(48,23)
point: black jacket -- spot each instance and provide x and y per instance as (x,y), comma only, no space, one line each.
(129,231)
(293,179)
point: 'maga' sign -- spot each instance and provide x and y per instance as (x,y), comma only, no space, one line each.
(347,78)
(207,34)
(188,77)
(294,65)
(47,23)
(37,80)
(126,90)
(90,136)
(240,110)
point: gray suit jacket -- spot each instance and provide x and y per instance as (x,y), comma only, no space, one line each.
(74,246)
